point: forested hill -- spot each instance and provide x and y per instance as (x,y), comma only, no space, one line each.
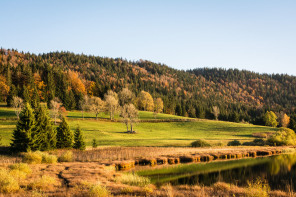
(240,95)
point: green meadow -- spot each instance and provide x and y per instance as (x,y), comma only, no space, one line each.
(147,134)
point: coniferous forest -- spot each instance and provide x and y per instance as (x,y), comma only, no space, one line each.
(240,95)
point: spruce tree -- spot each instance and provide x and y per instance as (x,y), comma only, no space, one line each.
(64,135)
(11,94)
(22,139)
(78,139)
(44,133)
(35,100)
(26,95)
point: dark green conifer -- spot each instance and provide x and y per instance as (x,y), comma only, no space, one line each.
(94,143)
(64,135)
(11,94)
(35,100)
(78,139)
(22,139)
(44,133)
(26,95)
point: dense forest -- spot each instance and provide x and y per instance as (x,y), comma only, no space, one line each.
(240,95)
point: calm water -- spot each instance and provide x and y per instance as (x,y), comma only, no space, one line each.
(279,171)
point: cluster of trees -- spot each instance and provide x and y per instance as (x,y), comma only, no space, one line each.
(34,131)
(282,120)
(239,95)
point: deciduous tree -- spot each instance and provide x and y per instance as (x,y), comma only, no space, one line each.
(130,115)
(145,101)
(216,112)
(96,106)
(284,119)
(17,104)
(158,106)
(55,106)
(125,96)
(112,106)
(270,119)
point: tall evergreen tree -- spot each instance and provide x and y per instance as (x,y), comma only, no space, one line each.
(78,139)
(44,133)
(22,139)
(50,87)
(26,95)
(11,94)
(64,135)
(35,100)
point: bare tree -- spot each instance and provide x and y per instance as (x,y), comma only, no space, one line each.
(130,115)
(216,112)
(84,104)
(158,106)
(125,96)
(55,105)
(17,104)
(111,99)
(96,105)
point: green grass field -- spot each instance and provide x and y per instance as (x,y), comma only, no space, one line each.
(148,134)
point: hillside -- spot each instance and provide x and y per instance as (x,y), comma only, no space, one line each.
(240,95)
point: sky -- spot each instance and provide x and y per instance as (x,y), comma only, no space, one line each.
(255,35)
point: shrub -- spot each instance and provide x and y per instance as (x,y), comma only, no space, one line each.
(33,157)
(66,157)
(98,190)
(46,158)
(21,167)
(94,143)
(200,143)
(283,137)
(7,183)
(45,182)
(234,143)
(258,188)
(133,179)
(255,142)
(220,186)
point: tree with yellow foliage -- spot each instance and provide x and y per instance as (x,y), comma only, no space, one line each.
(158,106)
(145,101)
(76,83)
(4,88)
(284,119)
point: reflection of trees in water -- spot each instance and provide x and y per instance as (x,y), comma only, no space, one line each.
(279,171)
(282,164)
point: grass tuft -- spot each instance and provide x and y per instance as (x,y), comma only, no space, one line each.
(43,183)
(133,179)
(7,182)
(97,190)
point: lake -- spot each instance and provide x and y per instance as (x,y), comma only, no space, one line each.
(279,171)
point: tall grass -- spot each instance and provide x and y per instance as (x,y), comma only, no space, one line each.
(133,179)
(8,184)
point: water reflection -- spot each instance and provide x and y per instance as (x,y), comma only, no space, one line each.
(279,171)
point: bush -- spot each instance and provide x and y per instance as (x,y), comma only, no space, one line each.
(33,157)
(255,142)
(46,158)
(283,137)
(21,167)
(133,179)
(39,157)
(258,188)
(98,190)
(7,182)
(45,182)
(200,143)
(234,143)
(66,157)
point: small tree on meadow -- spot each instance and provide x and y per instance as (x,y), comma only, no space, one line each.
(96,105)
(64,135)
(78,139)
(55,106)
(17,104)
(22,139)
(158,106)
(216,112)
(125,96)
(130,115)
(270,119)
(111,99)
(94,143)
(84,104)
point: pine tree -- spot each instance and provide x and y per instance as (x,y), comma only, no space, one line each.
(26,95)
(22,139)
(44,133)
(78,139)
(50,87)
(11,94)
(94,143)
(64,135)
(35,100)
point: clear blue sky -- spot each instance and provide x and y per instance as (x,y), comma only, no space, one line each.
(257,35)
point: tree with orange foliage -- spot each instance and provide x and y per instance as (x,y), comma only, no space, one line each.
(76,82)
(284,119)
(4,88)
(40,85)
